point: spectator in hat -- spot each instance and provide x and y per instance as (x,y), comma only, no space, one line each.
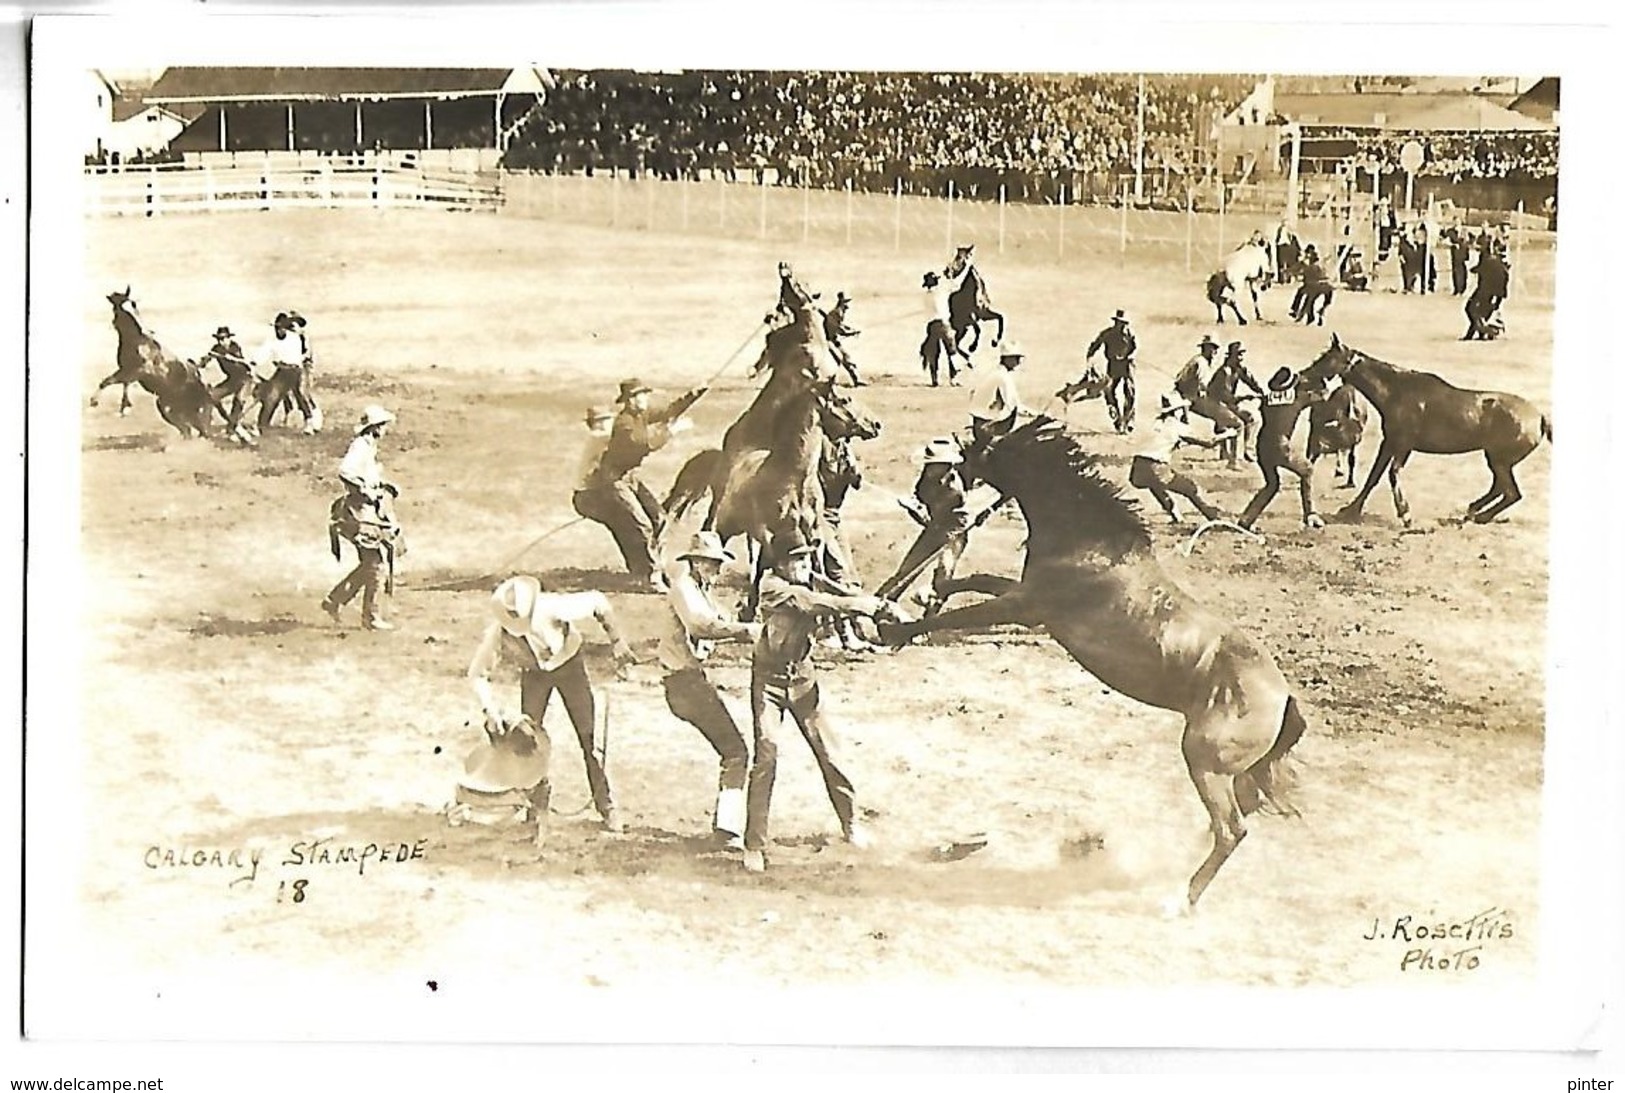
(365,516)
(835,330)
(613,494)
(995,401)
(1118,344)
(538,635)
(941,507)
(1152,468)
(782,682)
(1285,399)
(692,626)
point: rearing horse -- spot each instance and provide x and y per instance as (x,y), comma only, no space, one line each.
(1091,580)
(1248,267)
(184,400)
(968,305)
(1422,413)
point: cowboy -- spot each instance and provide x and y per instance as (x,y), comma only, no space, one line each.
(364,516)
(995,401)
(1284,401)
(1223,391)
(1353,274)
(539,634)
(1316,287)
(1117,340)
(836,328)
(782,682)
(1489,292)
(307,375)
(1152,468)
(939,338)
(279,366)
(613,494)
(691,628)
(941,507)
(237,382)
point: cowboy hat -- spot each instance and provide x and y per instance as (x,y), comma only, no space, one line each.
(595,414)
(224,332)
(373,415)
(842,298)
(1207,342)
(1119,317)
(942,450)
(631,388)
(706,544)
(514,601)
(1283,379)
(1172,404)
(1234,349)
(282,319)
(506,762)
(296,319)
(929,279)
(1011,351)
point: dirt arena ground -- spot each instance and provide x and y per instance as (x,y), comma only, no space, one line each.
(227,713)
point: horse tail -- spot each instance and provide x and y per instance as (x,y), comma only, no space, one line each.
(1269,784)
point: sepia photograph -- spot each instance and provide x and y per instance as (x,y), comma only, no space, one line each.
(564,538)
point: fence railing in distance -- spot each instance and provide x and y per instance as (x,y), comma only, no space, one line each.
(171,189)
(1060,233)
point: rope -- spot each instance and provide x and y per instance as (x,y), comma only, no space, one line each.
(1190,544)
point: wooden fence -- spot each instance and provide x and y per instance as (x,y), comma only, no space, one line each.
(167,189)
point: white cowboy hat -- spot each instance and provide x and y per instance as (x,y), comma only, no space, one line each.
(373,415)
(514,601)
(706,544)
(1012,351)
(942,450)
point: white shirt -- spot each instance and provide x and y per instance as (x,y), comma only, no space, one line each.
(592,454)
(937,296)
(551,638)
(995,397)
(1201,368)
(287,351)
(360,466)
(1159,439)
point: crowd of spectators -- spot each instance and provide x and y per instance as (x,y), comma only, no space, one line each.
(1515,156)
(1033,134)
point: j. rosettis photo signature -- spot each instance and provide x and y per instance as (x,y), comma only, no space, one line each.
(1436,943)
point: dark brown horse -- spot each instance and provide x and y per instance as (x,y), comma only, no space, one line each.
(1422,413)
(1092,581)
(969,308)
(1336,427)
(184,400)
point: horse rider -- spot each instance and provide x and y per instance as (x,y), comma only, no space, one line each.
(942,509)
(939,336)
(782,682)
(238,381)
(1284,401)
(1152,467)
(995,401)
(1316,288)
(835,329)
(365,516)
(538,635)
(1224,391)
(1488,293)
(1118,344)
(613,494)
(279,366)
(689,629)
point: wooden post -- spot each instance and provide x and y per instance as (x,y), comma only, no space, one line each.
(1001,218)
(358,144)
(1220,180)
(1190,224)
(1517,250)
(1122,231)
(222,127)
(428,123)
(722,204)
(648,201)
(1060,234)
(152,196)
(684,184)
(806,209)
(761,215)
(290,127)
(897,220)
(614,197)
(950,244)
(554,190)
(849,210)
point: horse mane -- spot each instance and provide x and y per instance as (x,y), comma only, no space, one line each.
(1041,460)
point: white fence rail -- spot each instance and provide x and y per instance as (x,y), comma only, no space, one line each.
(167,189)
(1061,234)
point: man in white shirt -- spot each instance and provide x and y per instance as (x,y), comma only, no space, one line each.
(279,366)
(538,635)
(939,337)
(364,517)
(1152,468)
(995,401)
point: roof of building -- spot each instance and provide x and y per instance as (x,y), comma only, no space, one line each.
(217,85)
(1402,110)
(125,109)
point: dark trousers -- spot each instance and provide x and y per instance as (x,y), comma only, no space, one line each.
(536,689)
(1305,299)
(287,382)
(772,696)
(1161,480)
(632,513)
(1120,394)
(939,343)
(1271,458)
(363,579)
(1480,307)
(691,697)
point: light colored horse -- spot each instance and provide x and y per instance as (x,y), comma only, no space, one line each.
(1248,266)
